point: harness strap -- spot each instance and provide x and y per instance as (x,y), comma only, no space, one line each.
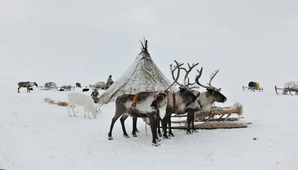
(134,100)
(199,93)
(199,102)
(174,102)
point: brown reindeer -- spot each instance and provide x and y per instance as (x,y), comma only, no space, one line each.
(143,104)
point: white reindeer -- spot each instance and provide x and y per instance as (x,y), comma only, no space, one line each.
(80,99)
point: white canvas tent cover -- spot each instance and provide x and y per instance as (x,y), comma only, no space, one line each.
(142,75)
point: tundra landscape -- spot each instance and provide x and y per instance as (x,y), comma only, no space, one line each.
(74,42)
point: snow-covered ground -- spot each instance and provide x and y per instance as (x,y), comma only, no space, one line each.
(37,135)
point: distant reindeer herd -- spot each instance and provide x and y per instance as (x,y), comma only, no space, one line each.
(53,86)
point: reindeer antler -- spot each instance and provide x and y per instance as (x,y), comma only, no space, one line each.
(211,78)
(186,78)
(198,77)
(178,68)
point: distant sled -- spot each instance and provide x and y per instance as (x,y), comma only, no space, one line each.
(253,86)
(289,87)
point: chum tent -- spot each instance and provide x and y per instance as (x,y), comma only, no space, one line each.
(142,75)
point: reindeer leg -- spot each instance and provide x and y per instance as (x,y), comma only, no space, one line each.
(69,114)
(158,127)
(170,127)
(192,118)
(134,127)
(111,128)
(85,112)
(122,120)
(164,124)
(153,126)
(188,123)
(73,111)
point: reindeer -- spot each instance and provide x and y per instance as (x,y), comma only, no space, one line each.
(213,94)
(205,99)
(181,101)
(29,85)
(98,85)
(50,85)
(143,104)
(80,99)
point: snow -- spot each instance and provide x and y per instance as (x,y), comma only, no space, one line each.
(37,135)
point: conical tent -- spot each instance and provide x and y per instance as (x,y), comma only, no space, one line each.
(142,75)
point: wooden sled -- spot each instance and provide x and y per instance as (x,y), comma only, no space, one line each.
(286,90)
(252,88)
(216,118)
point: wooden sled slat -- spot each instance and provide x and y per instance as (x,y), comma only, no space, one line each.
(211,120)
(224,125)
(290,90)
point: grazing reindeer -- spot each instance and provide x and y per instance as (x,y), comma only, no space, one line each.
(29,85)
(143,104)
(205,99)
(50,85)
(79,99)
(181,101)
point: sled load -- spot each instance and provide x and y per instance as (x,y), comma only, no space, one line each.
(289,87)
(253,86)
(215,118)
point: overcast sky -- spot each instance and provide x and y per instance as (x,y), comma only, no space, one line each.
(60,39)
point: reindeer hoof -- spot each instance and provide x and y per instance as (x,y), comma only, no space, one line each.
(126,136)
(155,144)
(166,137)
(188,132)
(134,135)
(110,138)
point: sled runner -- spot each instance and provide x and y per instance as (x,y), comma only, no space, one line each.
(286,90)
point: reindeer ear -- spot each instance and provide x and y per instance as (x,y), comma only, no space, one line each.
(210,90)
(182,89)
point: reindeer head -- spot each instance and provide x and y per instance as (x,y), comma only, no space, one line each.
(212,91)
(160,100)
